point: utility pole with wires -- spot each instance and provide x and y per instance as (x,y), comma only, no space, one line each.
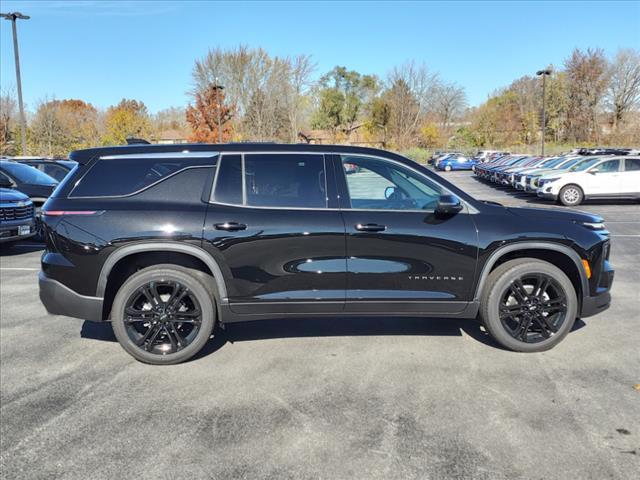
(23,122)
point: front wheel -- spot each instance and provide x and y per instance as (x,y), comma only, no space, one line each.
(163,314)
(447,168)
(571,195)
(528,305)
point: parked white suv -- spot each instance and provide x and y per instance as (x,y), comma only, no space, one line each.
(600,177)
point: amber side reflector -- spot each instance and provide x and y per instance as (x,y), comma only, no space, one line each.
(587,268)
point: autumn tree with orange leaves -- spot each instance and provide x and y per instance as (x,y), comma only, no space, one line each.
(209,110)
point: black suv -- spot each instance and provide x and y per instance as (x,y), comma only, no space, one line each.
(165,241)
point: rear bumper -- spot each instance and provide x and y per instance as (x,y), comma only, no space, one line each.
(59,299)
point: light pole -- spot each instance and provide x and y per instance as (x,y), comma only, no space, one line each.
(546,72)
(23,123)
(219,88)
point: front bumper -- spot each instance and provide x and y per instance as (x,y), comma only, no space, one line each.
(59,299)
(10,231)
(596,304)
(546,196)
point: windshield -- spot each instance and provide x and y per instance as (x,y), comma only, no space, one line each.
(27,174)
(553,162)
(582,166)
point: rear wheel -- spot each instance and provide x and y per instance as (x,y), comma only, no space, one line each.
(529,305)
(571,195)
(163,314)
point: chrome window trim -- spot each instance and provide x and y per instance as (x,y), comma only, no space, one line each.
(160,155)
(469,208)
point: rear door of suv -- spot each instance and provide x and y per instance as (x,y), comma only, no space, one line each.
(630,178)
(274,226)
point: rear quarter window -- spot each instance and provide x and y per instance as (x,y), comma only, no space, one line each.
(121,177)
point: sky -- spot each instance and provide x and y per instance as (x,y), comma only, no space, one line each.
(103,51)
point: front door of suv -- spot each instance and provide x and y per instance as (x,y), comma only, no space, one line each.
(275,229)
(604,178)
(400,256)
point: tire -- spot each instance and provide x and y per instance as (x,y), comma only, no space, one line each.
(571,195)
(179,325)
(447,168)
(496,303)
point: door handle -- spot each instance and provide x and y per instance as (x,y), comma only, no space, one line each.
(370,227)
(230,226)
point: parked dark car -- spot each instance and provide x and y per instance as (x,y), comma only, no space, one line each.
(57,169)
(17,216)
(30,181)
(166,241)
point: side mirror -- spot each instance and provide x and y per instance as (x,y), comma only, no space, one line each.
(389,191)
(593,171)
(448,205)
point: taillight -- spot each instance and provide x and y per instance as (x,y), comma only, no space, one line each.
(60,213)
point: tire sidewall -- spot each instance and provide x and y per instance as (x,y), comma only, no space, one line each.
(493,323)
(195,285)
(571,204)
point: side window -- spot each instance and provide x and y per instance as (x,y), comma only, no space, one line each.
(228,188)
(285,180)
(123,176)
(55,171)
(376,184)
(610,166)
(632,164)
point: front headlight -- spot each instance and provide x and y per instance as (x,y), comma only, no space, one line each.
(593,225)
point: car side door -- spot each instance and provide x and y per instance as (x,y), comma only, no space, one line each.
(274,227)
(604,178)
(630,178)
(401,256)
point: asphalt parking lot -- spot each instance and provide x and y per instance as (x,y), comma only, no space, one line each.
(342,398)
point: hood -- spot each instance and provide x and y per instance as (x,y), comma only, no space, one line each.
(9,195)
(557,213)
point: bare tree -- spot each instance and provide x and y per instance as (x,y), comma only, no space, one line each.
(410,94)
(623,92)
(586,74)
(449,103)
(8,120)
(300,70)
(266,90)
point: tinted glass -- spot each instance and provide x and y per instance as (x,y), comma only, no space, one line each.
(610,166)
(376,184)
(27,174)
(120,176)
(278,180)
(229,182)
(55,171)
(632,164)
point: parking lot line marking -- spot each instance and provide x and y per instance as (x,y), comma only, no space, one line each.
(624,235)
(19,269)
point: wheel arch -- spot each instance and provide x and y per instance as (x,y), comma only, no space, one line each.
(123,261)
(562,256)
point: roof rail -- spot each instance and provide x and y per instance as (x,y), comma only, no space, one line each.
(137,141)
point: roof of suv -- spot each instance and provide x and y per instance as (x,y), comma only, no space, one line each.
(84,156)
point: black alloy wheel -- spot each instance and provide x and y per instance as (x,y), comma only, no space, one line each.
(164,314)
(163,317)
(533,308)
(528,305)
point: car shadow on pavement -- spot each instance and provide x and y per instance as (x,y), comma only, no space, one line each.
(325,327)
